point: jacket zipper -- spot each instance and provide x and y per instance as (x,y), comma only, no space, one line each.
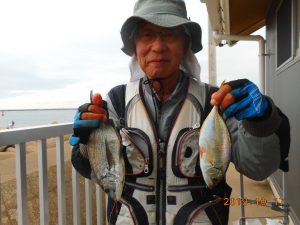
(146,168)
(160,200)
(161,178)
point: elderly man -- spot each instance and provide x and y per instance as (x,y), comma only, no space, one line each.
(162,107)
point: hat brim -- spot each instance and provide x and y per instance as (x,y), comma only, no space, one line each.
(162,20)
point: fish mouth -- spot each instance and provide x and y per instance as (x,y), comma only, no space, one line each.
(215,172)
(214,176)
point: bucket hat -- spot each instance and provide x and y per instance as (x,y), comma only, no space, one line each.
(163,13)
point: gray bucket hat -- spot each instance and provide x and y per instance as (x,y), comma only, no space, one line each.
(164,13)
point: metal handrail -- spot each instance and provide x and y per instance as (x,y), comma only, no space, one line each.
(19,137)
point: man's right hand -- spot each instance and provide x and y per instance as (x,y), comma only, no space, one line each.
(88,117)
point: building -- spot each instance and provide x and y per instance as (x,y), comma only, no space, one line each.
(235,20)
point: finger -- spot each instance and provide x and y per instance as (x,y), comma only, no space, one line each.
(84,107)
(227,100)
(237,83)
(93,116)
(236,107)
(246,113)
(97,109)
(86,124)
(97,99)
(238,92)
(219,95)
(247,88)
(73,140)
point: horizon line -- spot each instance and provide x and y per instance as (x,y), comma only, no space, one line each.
(3,110)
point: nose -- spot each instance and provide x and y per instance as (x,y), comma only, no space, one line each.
(159,44)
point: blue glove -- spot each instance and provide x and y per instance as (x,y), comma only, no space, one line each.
(83,128)
(249,102)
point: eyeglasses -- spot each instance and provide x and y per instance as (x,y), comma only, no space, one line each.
(168,36)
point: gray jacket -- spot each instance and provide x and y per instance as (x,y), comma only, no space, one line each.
(256,146)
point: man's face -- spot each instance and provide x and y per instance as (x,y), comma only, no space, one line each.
(159,50)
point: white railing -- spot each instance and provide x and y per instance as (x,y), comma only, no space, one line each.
(19,137)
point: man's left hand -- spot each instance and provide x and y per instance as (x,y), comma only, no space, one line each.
(241,99)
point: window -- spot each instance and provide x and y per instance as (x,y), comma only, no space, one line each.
(298,28)
(284,32)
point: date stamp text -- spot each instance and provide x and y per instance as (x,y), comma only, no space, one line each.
(259,200)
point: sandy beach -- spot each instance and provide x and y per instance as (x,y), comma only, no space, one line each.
(7,158)
(8,183)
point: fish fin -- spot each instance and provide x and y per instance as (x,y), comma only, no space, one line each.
(202,151)
(224,81)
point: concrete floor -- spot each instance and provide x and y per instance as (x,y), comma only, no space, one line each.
(254,190)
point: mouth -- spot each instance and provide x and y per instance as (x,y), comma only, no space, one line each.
(157,61)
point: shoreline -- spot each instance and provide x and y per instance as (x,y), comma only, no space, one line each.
(7,110)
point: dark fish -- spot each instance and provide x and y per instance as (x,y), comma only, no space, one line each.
(104,151)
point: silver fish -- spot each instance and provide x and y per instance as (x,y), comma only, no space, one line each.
(214,148)
(107,164)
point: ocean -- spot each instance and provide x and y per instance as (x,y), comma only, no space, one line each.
(36,117)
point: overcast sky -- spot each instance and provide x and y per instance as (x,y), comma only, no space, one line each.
(52,53)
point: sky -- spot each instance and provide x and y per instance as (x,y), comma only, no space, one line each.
(52,53)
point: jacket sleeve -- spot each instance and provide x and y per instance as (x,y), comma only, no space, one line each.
(116,105)
(80,160)
(257,145)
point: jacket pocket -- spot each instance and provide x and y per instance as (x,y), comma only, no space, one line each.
(195,213)
(131,212)
(185,155)
(138,152)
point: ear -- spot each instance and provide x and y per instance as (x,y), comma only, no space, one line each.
(134,52)
(186,45)
(133,47)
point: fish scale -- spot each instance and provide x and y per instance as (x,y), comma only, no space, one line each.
(107,164)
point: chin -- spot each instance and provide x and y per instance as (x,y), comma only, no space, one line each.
(157,75)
